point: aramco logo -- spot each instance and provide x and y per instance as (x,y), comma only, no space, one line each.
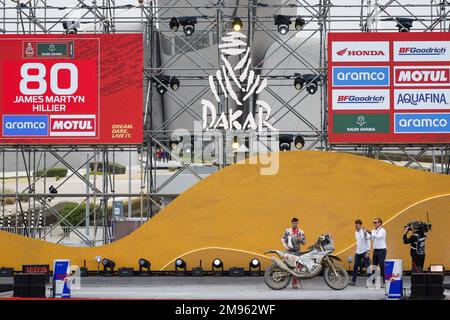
(247,83)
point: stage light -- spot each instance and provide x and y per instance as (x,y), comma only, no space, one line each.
(108,264)
(436,268)
(144,264)
(282,23)
(299,142)
(299,23)
(180,264)
(174,24)
(215,265)
(70,27)
(404,24)
(188,24)
(299,82)
(52,189)
(311,83)
(254,264)
(237,24)
(163,82)
(174,83)
(285,141)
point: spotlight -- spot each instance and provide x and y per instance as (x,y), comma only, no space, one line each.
(282,22)
(70,26)
(254,264)
(299,142)
(237,24)
(144,264)
(299,82)
(174,24)
(174,83)
(235,143)
(108,266)
(188,24)
(312,83)
(404,24)
(217,264)
(163,82)
(285,141)
(52,189)
(180,264)
(299,23)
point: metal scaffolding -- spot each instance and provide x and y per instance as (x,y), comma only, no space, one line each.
(192,59)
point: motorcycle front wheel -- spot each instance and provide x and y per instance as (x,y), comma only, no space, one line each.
(276,278)
(338,282)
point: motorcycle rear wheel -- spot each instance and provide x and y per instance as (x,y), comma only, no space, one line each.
(276,278)
(336,283)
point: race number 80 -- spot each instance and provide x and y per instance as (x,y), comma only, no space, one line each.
(42,83)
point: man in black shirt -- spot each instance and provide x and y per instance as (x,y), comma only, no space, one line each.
(417,247)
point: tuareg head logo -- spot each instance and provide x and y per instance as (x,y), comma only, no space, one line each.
(238,83)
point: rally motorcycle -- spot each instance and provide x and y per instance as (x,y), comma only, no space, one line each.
(306,265)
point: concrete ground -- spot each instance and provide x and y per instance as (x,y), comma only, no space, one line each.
(215,288)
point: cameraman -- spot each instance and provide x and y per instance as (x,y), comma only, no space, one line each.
(417,246)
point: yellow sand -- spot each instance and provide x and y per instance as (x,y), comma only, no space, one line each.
(237,214)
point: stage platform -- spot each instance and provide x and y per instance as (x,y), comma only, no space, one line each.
(229,288)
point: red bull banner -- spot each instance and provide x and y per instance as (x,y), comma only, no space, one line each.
(71,89)
(389,87)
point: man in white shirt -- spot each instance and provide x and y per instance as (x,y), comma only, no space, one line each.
(378,236)
(362,249)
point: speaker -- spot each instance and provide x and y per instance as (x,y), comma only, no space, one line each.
(418,278)
(197,272)
(435,291)
(418,291)
(236,272)
(427,286)
(22,279)
(6,287)
(83,272)
(435,278)
(37,279)
(6,272)
(125,272)
(37,291)
(21,291)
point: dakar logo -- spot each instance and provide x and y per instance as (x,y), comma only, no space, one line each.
(247,84)
(29,51)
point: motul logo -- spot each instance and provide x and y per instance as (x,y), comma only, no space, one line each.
(73,125)
(360,52)
(422,76)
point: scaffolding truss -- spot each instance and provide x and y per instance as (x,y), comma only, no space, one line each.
(192,59)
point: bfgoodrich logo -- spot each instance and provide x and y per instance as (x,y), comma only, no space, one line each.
(422,122)
(368,99)
(360,51)
(421,50)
